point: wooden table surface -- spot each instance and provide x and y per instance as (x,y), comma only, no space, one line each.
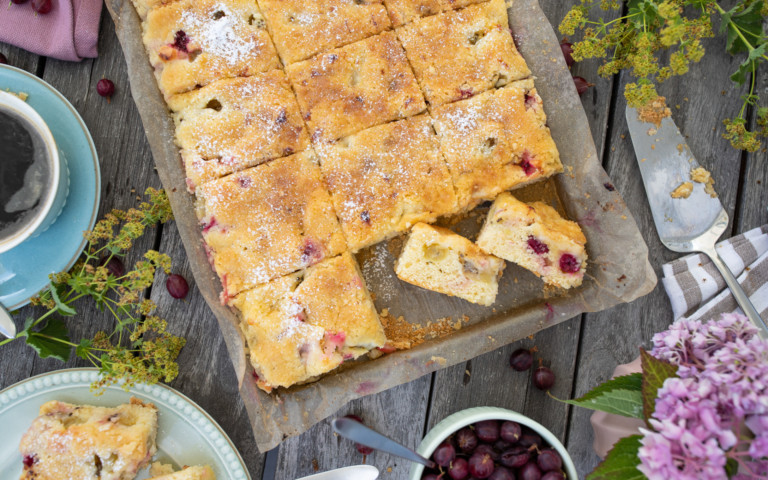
(582,351)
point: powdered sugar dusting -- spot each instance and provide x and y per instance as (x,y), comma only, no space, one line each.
(225,37)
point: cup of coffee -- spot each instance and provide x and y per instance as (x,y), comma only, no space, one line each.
(34,179)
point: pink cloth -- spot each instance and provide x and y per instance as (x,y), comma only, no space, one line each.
(70,31)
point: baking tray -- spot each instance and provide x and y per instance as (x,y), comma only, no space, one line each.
(618,269)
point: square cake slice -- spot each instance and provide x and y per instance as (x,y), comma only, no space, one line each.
(194,42)
(387,178)
(437,259)
(537,238)
(496,141)
(306,324)
(303,28)
(89,443)
(405,11)
(268,221)
(236,123)
(461,53)
(355,87)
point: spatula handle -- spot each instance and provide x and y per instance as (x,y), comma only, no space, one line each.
(738,293)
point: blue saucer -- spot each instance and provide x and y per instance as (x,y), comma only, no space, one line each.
(24,269)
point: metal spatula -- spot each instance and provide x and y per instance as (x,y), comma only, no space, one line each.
(690,224)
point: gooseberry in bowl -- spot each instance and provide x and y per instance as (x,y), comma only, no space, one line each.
(473,437)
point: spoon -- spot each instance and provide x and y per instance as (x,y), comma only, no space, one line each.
(357,432)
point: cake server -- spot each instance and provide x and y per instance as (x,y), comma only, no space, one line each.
(684,225)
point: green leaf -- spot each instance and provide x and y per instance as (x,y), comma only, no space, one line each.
(749,65)
(655,372)
(83,348)
(47,342)
(745,28)
(63,308)
(621,396)
(621,462)
(731,467)
(643,12)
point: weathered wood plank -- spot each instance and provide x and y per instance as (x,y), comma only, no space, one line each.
(205,370)
(488,380)
(613,337)
(397,413)
(753,201)
(21,58)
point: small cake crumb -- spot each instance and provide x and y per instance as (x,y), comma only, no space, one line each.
(654,112)
(682,191)
(702,175)
(402,334)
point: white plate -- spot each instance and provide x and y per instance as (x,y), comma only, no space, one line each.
(186,434)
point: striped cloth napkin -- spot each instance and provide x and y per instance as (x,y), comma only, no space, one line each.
(698,292)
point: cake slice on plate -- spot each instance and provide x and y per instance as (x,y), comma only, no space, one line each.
(161,471)
(537,238)
(437,259)
(306,324)
(89,443)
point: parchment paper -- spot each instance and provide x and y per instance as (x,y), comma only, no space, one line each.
(618,268)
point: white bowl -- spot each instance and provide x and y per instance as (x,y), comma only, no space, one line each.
(461,419)
(57,188)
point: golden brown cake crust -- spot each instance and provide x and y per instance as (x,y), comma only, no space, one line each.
(496,141)
(438,259)
(194,42)
(303,28)
(268,221)
(385,179)
(355,87)
(236,123)
(306,324)
(461,53)
(405,11)
(85,442)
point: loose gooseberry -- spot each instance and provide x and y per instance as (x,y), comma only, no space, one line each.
(466,440)
(567,49)
(444,454)
(521,359)
(459,469)
(543,378)
(487,430)
(114,266)
(549,460)
(177,286)
(502,473)
(431,476)
(511,431)
(530,440)
(515,457)
(105,87)
(529,471)
(486,449)
(582,85)
(553,476)
(481,465)
(42,6)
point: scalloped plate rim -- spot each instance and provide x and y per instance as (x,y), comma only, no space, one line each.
(160,394)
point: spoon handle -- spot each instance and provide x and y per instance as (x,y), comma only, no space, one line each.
(357,432)
(738,293)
